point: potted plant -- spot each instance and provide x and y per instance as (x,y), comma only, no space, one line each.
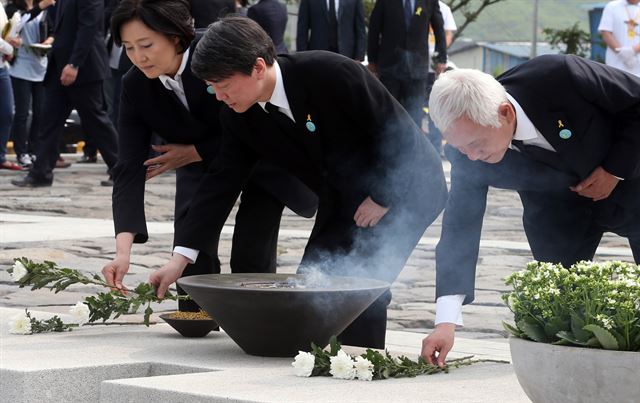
(577,331)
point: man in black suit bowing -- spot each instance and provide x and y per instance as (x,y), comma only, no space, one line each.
(77,67)
(399,49)
(325,119)
(561,130)
(333,25)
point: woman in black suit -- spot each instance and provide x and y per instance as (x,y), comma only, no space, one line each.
(161,96)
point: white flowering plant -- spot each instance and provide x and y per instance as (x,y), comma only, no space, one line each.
(590,304)
(102,306)
(372,365)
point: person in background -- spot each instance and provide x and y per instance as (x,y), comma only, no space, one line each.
(27,75)
(399,49)
(562,131)
(75,74)
(272,17)
(205,12)
(449,27)
(620,30)
(333,25)
(241,7)
(161,95)
(6,93)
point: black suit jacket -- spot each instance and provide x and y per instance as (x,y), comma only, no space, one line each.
(79,40)
(124,63)
(205,12)
(403,52)
(272,17)
(313,27)
(363,143)
(601,107)
(147,108)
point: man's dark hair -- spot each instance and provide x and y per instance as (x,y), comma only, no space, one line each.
(169,17)
(231,45)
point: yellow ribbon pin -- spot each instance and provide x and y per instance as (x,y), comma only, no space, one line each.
(560,124)
(419,11)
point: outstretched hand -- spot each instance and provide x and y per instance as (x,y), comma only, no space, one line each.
(369,213)
(440,342)
(114,273)
(598,186)
(168,274)
(173,156)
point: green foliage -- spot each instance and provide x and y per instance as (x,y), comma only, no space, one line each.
(571,41)
(590,304)
(104,305)
(53,324)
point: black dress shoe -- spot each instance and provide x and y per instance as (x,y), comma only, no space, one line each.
(87,159)
(31,182)
(107,183)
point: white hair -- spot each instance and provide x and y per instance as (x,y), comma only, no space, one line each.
(466,93)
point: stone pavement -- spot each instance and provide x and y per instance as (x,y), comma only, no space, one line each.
(69,223)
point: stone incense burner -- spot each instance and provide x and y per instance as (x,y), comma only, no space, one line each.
(275,315)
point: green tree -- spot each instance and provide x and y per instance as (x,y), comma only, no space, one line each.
(570,41)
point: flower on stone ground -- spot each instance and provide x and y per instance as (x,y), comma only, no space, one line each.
(18,271)
(80,313)
(364,369)
(20,324)
(303,364)
(342,366)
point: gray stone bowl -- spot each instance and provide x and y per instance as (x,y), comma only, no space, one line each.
(270,315)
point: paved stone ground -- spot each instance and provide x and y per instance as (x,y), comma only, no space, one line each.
(76,193)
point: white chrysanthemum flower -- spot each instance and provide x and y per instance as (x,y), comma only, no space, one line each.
(18,271)
(364,369)
(303,364)
(20,324)
(342,366)
(80,313)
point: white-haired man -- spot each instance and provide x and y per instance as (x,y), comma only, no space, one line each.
(561,130)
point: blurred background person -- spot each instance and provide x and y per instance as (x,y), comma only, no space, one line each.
(271,15)
(241,7)
(6,93)
(205,12)
(399,49)
(76,71)
(27,75)
(333,25)
(435,137)
(620,30)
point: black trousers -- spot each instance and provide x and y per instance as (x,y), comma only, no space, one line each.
(255,235)
(409,92)
(563,227)
(434,136)
(28,96)
(88,100)
(338,247)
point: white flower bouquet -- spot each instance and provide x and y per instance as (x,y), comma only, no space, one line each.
(589,304)
(372,365)
(103,306)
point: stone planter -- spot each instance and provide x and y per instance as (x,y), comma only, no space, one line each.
(563,374)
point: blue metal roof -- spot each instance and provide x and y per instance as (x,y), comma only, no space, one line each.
(520,49)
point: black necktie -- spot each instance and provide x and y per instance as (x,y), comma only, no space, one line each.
(281,119)
(333,27)
(540,154)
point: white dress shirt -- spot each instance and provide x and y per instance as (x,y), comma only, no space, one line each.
(279,99)
(175,83)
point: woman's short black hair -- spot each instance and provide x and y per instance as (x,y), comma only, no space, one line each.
(231,45)
(169,17)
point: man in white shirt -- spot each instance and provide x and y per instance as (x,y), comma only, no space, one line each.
(620,30)
(563,132)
